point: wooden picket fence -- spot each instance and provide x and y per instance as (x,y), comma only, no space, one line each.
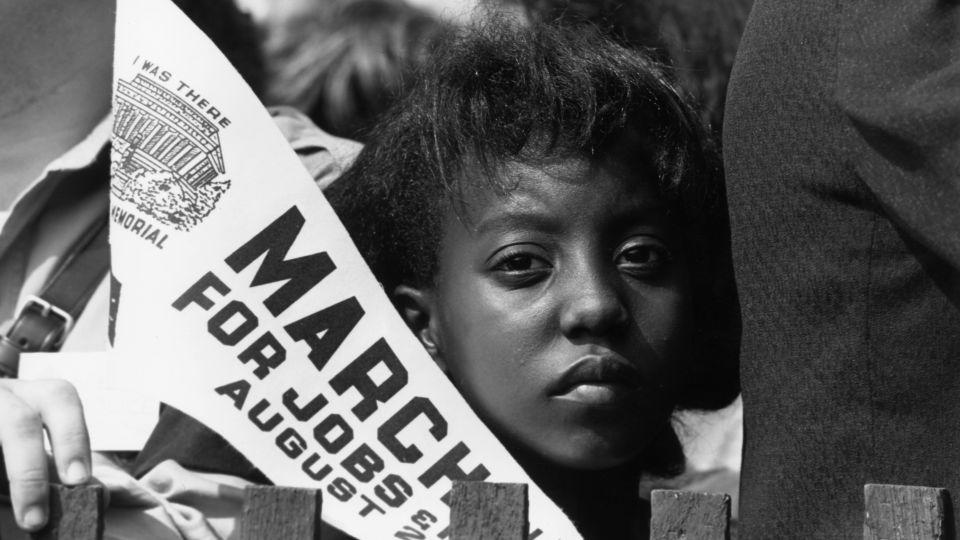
(480,510)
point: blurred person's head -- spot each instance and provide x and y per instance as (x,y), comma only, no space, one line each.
(345,63)
(698,39)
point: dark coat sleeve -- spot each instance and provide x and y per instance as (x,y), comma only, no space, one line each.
(898,84)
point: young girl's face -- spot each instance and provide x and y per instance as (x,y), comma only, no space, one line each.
(560,311)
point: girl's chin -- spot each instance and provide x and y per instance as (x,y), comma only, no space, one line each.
(593,460)
(585,444)
(578,457)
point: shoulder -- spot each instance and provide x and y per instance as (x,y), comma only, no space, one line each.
(325,156)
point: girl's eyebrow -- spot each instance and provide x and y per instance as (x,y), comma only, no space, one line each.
(519,219)
(647,211)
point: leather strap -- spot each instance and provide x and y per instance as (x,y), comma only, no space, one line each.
(45,320)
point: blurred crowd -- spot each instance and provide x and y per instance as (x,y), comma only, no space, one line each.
(342,60)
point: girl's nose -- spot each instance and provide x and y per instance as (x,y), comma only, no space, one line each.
(593,308)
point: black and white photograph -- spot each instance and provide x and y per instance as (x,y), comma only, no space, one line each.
(479,269)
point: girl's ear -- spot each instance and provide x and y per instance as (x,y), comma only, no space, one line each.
(418,309)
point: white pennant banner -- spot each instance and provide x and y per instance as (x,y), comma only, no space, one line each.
(243,301)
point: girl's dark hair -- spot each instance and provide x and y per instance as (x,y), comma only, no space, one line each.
(501,92)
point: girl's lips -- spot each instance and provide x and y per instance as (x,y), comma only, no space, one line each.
(598,380)
(599,395)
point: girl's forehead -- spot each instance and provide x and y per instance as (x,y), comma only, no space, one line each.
(562,190)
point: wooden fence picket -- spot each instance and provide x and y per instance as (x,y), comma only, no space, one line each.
(76,513)
(484,510)
(903,512)
(271,512)
(488,511)
(687,515)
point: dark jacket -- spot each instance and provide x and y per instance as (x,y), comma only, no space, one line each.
(842,148)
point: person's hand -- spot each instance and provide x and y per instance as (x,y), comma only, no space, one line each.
(26,408)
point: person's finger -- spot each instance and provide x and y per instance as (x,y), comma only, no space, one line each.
(62,414)
(21,439)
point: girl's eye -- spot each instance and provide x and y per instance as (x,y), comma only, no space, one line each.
(521,262)
(519,268)
(643,257)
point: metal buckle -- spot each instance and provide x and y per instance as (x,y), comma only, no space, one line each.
(9,359)
(46,309)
